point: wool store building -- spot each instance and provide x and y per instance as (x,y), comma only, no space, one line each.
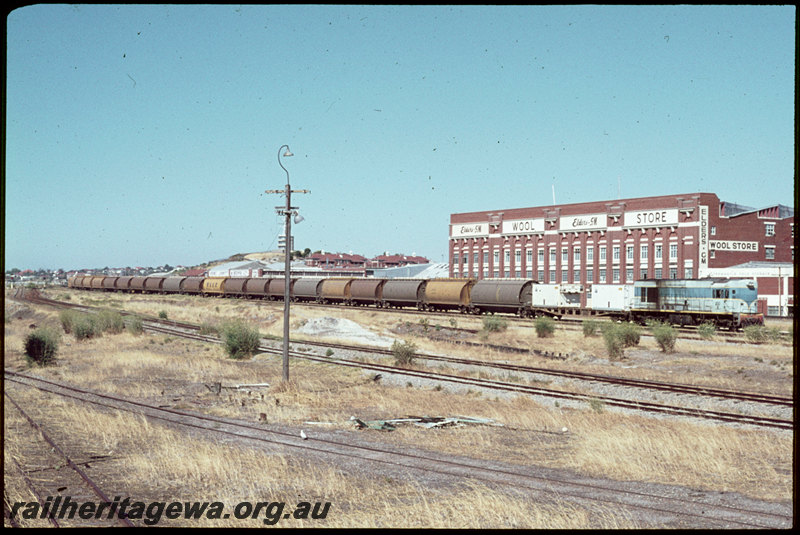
(618,241)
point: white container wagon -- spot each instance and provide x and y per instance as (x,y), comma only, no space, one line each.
(612,297)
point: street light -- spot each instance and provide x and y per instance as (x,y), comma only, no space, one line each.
(287,212)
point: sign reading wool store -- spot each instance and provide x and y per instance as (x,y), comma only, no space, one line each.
(738,246)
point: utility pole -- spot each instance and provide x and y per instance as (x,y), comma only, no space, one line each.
(287,212)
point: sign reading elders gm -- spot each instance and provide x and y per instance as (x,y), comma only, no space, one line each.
(737,246)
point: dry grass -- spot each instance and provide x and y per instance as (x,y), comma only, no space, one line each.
(199,469)
(601,444)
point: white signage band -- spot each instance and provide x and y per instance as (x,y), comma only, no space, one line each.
(651,218)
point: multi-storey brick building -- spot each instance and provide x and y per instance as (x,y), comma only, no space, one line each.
(619,241)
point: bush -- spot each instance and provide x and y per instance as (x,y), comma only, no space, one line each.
(84,326)
(134,325)
(404,352)
(613,339)
(707,330)
(545,327)
(589,327)
(665,335)
(239,339)
(67,318)
(41,346)
(162,314)
(756,334)
(494,324)
(630,333)
(110,321)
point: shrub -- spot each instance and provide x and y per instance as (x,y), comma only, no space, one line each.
(67,318)
(239,339)
(494,324)
(134,325)
(41,346)
(110,321)
(404,352)
(84,326)
(665,335)
(545,327)
(707,330)
(614,341)
(630,333)
(756,334)
(162,314)
(589,327)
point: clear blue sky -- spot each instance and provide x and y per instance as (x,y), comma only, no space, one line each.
(146,134)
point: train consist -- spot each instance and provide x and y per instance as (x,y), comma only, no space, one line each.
(728,303)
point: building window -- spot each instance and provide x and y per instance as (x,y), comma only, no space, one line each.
(455,259)
(540,256)
(688,272)
(576,256)
(713,230)
(576,276)
(529,274)
(552,256)
(506,257)
(475,259)
(658,272)
(552,276)
(615,274)
(602,253)
(769,229)
(673,251)
(770,253)
(589,276)
(643,252)
(602,275)
(642,274)
(518,273)
(529,257)
(673,273)
(564,255)
(540,275)
(517,258)
(659,248)
(486,258)
(615,253)
(629,275)
(565,276)
(590,254)
(496,257)
(629,253)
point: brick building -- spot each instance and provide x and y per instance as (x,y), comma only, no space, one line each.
(618,241)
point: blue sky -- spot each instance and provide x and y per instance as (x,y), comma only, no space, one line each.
(147,134)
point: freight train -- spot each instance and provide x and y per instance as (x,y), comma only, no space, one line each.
(728,303)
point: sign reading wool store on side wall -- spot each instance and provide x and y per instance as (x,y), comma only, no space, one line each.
(737,246)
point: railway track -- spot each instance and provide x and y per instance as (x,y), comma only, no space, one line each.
(73,484)
(653,504)
(187,330)
(505,386)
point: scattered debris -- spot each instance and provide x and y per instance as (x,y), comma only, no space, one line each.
(427,422)
(217,387)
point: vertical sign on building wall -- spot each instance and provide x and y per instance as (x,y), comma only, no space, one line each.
(703,253)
